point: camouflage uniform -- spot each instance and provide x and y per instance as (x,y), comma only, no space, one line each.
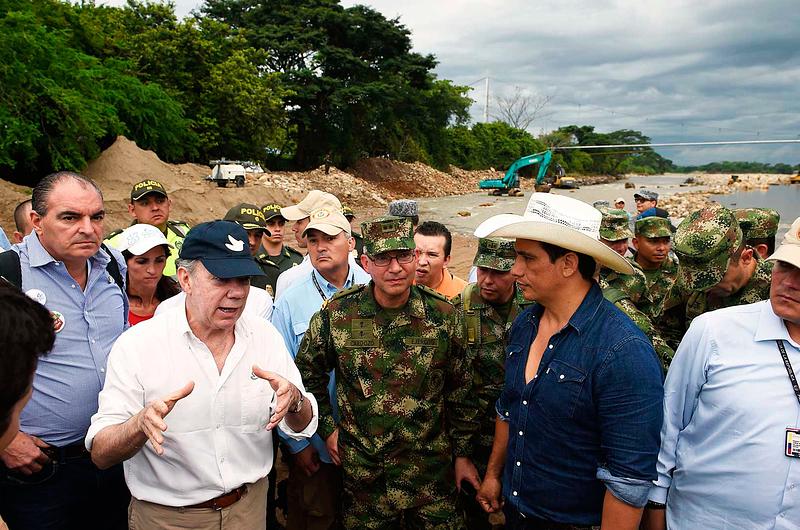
(614,227)
(359,246)
(705,242)
(486,330)
(404,392)
(658,281)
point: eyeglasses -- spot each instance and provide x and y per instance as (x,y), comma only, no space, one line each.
(384,259)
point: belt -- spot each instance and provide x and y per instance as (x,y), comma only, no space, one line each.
(77,450)
(224,500)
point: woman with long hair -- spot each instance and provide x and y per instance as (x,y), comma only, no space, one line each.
(146,250)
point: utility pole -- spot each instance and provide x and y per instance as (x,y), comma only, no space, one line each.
(486,103)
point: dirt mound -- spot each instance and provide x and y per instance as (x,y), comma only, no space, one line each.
(10,196)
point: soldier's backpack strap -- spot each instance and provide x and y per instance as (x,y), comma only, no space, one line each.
(472,318)
(614,295)
(10,268)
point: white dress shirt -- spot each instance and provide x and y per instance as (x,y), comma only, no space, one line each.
(727,403)
(259,303)
(216,438)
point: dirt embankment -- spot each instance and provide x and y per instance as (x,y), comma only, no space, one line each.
(367,187)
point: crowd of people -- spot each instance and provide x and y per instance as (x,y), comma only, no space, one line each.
(598,368)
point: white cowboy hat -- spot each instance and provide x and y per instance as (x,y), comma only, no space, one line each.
(561,221)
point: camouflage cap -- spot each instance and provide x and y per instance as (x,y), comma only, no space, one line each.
(648,195)
(704,243)
(387,233)
(271,210)
(757,223)
(495,253)
(404,208)
(249,216)
(348,212)
(652,227)
(615,224)
(140,189)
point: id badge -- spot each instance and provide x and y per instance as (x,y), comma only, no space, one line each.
(792,445)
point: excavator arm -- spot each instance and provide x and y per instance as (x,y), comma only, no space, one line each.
(511,179)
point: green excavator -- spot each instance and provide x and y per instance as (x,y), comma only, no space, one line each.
(510,182)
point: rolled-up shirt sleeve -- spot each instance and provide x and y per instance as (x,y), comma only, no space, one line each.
(686,377)
(122,396)
(629,400)
(285,367)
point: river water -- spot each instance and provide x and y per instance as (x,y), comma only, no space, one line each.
(785,199)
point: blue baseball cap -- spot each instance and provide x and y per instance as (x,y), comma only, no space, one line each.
(222,248)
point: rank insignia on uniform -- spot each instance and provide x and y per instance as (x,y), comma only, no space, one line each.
(362,334)
(420,341)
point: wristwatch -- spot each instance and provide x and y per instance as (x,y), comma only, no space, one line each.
(653,505)
(299,405)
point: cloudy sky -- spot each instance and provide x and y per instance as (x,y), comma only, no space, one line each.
(676,70)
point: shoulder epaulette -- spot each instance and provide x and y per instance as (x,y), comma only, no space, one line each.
(348,291)
(293,251)
(435,294)
(179,227)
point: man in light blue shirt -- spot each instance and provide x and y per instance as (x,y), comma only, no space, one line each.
(47,479)
(5,244)
(730,442)
(314,481)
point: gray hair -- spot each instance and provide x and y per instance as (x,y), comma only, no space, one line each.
(189,264)
(41,193)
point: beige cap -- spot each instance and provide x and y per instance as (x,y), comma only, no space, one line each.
(328,220)
(315,200)
(789,251)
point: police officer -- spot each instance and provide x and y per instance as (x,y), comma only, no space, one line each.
(251,218)
(759,227)
(274,256)
(408,415)
(717,268)
(485,310)
(151,205)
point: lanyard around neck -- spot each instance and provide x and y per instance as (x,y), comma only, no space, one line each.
(789,370)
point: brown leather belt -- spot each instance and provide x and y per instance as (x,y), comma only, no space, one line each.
(223,501)
(77,450)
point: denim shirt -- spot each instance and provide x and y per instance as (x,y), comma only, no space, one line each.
(588,421)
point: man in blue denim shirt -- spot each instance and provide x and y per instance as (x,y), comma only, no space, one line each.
(577,433)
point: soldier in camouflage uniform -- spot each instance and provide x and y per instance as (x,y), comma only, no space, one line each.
(251,218)
(759,228)
(485,311)
(652,241)
(628,291)
(408,416)
(615,233)
(716,268)
(359,245)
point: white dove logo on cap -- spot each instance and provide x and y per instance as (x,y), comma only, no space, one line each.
(234,245)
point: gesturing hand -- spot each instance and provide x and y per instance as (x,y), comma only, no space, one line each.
(286,394)
(151,418)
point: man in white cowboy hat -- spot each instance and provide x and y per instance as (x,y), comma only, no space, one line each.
(577,430)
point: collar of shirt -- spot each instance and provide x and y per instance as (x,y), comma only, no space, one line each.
(582,316)
(771,326)
(328,288)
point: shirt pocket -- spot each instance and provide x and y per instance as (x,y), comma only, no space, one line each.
(258,402)
(559,389)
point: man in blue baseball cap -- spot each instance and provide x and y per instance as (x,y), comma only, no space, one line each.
(219,379)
